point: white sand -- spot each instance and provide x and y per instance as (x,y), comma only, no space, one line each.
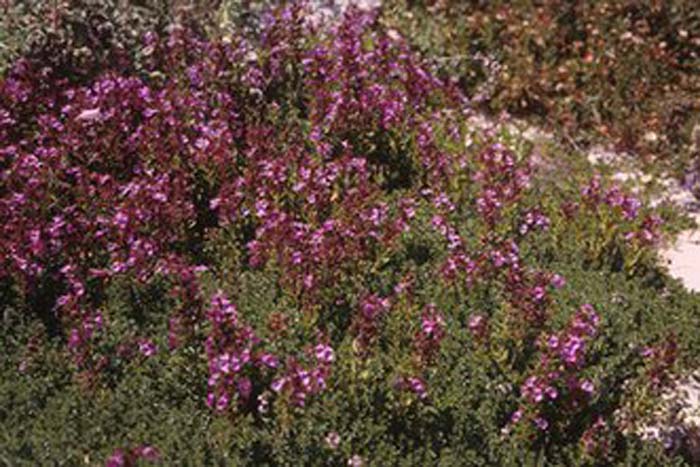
(684,258)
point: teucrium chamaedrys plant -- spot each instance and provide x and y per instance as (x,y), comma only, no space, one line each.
(287,236)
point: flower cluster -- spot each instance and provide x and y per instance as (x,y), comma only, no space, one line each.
(641,229)
(412,384)
(368,320)
(125,177)
(233,352)
(502,180)
(660,359)
(596,441)
(130,457)
(432,332)
(556,387)
(614,197)
(299,382)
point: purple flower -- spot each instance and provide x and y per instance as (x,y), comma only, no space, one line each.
(245,387)
(477,325)
(516,416)
(538,293)
(558,281)
(147,452)
(552,392)
(587,386)
(74,339)
(553,342)
(324,353)
(117,459)
(572,349)
(278,384)
(417,386)
(630,207)
(222,402)
(541,423)
(147,348)
(269,360)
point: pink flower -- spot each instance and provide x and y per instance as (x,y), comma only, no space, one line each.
(89,115)
(552,392)
(587,386)
(332,440)
(541,423)
(324,353)
(477,325)
(278,384)
(558,281)
(516,416)
(147,348)
(147,452)
(269,360)
(117,459)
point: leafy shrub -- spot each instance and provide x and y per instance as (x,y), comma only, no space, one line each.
(79,39)
(613,71)
(280,250)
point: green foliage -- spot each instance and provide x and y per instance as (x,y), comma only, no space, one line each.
(48,417)
(81,38)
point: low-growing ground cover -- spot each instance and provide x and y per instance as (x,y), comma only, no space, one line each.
(619,72)
(290,247)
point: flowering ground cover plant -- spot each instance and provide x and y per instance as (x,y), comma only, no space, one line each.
(292,248)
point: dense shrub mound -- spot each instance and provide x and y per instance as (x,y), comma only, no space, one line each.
(292,249)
